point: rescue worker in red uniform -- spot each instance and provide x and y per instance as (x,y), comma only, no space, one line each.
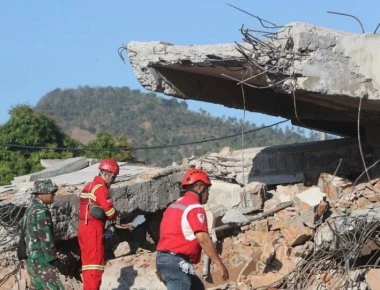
(183,235)
(95,208)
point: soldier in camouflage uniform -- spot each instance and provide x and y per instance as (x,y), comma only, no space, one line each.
(42,262)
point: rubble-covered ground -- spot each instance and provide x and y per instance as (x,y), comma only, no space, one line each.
(284,236)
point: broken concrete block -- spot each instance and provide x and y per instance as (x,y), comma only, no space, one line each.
(253,196)
(372,197)
(284,260)
(323,237)
(235,215)
(311,206)
(332,186)
(290,190)
(223,193)
(268,254)
(295,233)
(373,278)
(302,251)
(248,268)
(261,225)
(262,238)
(361,202)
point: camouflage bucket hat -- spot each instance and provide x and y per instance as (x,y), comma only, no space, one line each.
(44,186)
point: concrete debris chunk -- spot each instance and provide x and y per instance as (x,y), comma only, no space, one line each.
(253,195)
(311,206)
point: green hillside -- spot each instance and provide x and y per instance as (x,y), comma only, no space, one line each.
(147,120)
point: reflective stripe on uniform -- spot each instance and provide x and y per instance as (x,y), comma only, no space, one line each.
(178,205)
(93,267)
(88,195)
(110,212)
(185,225)
(91,194)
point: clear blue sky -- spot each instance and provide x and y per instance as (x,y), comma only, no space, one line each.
(65,44)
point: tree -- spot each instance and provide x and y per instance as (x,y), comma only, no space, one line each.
(26,138)
(30,136)
(106,146)
(150,121)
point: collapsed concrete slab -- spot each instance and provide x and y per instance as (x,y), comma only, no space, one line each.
(58,167)
(284,164)
(137,189)
(317,77)
(66,166)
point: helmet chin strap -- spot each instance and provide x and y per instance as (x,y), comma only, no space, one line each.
(199,194)
(196,192)
(101,174)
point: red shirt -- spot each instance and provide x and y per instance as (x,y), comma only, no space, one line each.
(97,193)
(181,220)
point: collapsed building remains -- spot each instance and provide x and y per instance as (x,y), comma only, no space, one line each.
(271,234)
(305,216)
(318,78)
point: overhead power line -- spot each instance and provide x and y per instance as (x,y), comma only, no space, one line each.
(31,147)
(209,140)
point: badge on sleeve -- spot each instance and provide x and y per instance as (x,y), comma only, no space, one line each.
(201,217)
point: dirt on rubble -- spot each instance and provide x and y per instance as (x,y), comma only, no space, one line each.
(138,271)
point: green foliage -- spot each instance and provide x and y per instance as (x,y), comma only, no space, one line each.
(149,120)
(26,128)
(30,136)
(105,146)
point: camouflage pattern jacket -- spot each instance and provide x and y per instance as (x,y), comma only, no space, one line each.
(39,233)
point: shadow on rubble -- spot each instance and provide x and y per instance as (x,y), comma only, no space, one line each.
(144,236)
(69,252)
(127,278)
(303,162)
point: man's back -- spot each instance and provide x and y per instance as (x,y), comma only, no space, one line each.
(39,232)
(181,220)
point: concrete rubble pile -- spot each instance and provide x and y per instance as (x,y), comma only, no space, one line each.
(138,190)
(273,235)
(326,236)
(307,215)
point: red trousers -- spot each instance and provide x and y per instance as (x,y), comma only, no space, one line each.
(91,243)
(92,279)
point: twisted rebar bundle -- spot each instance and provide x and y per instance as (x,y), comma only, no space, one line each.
(338,258)
(10,215)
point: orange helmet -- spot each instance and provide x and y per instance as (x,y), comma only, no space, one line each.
(109,165)
(194,175)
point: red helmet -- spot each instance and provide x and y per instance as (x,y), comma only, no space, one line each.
(194,175)
(109,165)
